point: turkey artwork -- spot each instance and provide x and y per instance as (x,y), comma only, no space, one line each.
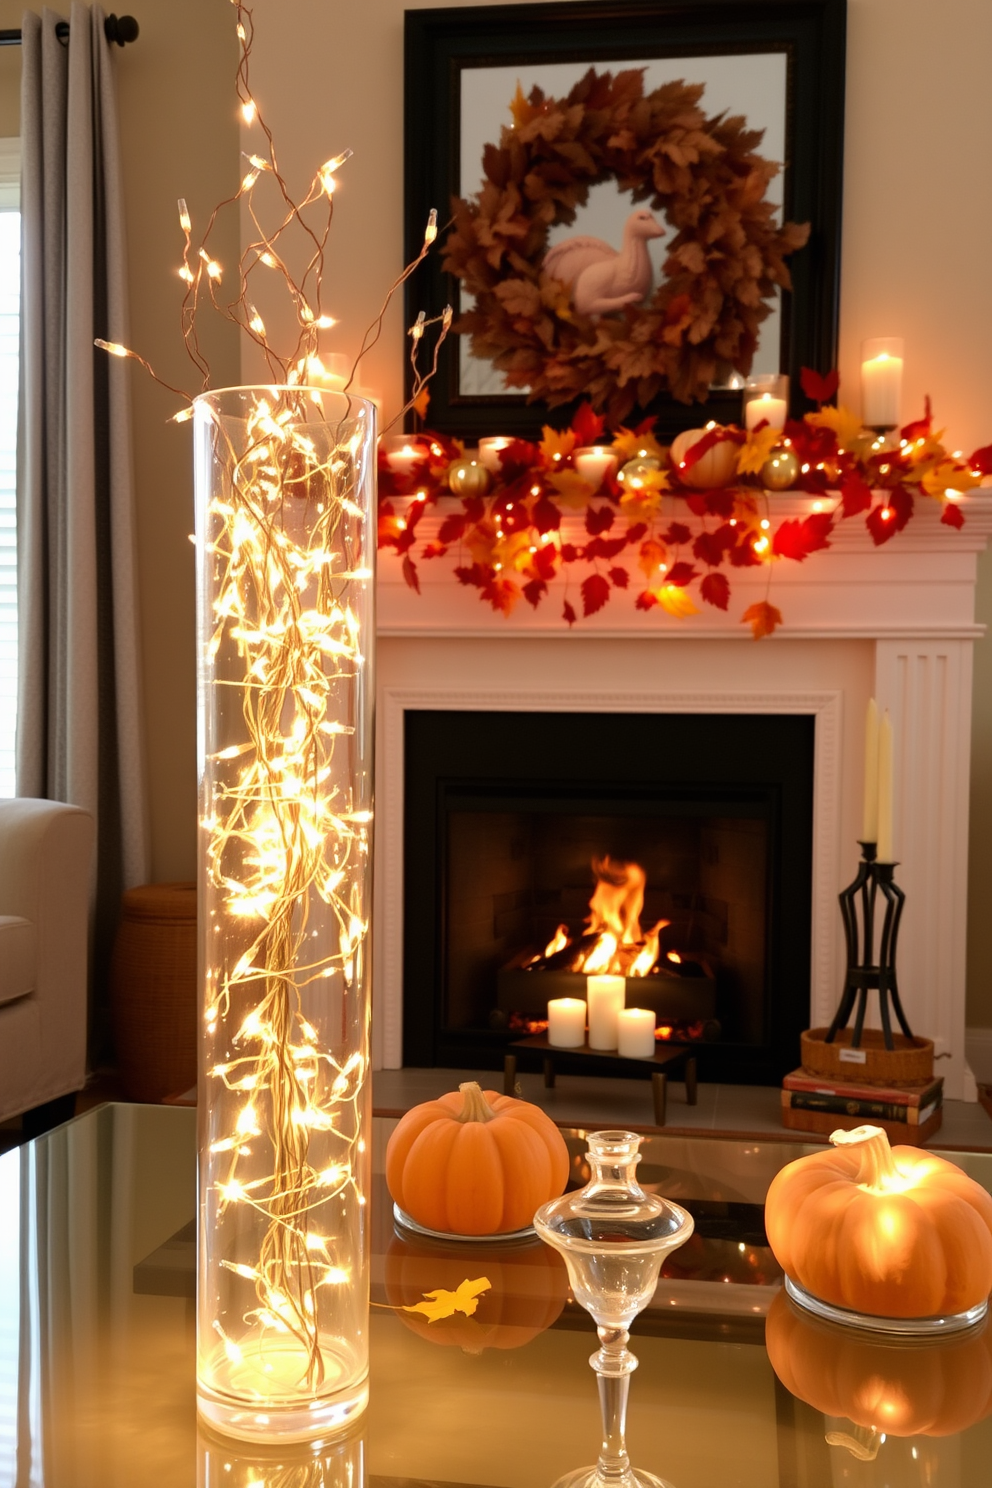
(603,279)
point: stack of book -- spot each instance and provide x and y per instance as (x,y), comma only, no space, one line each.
(909,1114)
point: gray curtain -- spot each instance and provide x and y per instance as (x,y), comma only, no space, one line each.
(79,733)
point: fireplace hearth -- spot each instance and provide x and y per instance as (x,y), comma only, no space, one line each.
(673,849)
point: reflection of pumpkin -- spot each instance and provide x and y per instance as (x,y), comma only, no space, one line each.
(903,1389)
(717,467)
(892,1232)
(475,1163)
(529,1287)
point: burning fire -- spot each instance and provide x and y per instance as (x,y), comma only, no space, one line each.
(613,940)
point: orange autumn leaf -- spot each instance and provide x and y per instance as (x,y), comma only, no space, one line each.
(652,555)
(522,109)
(421,402)
(556,445)
(627,445)
(676,601)
(443,1304)
(763,618)
(845,424)
(573,492)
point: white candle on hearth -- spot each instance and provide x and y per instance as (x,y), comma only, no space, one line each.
(566,1022)
(635,1031)
(606,996)
(594,463)
(766,409)
(869,826)
(884,852)
(881,381)
(490,450)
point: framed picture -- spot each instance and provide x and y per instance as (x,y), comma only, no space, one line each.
(778,65)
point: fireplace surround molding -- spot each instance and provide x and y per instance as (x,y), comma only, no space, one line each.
(908,612)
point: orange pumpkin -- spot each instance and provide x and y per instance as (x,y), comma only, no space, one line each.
(528,1291)
(891,1232)
(475,1163)
(903,1389)
(717,467)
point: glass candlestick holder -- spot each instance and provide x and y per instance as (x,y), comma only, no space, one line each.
(614,1237)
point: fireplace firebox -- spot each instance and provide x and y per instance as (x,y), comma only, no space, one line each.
(674,849)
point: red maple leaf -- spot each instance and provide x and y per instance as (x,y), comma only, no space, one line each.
(762,618)
(502,594)
(477,574)
(890,515)
(595,593)
(545,560)
(545,516)
(715,589)
(797,539)
(621,578)
(568,614)
(817,387)
(599,519)
(645,600)
(855,494)
(452,528)
(677,533)
(569,552)
(711,547)
(744,556)
(410,573)
(636,532)
(602,547)
(646,426)
(981,460)
(535,591)
(952,515)
(586,425)
(680,574)
(433,550)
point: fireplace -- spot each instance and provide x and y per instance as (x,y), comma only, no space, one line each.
(673,848)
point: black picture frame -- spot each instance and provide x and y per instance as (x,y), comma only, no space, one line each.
(442,44)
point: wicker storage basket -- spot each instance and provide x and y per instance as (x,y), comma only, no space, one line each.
(909,1063)
(153,990)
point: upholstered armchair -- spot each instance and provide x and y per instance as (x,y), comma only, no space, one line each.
(46,859)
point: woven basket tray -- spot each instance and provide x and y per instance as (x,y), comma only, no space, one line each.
(153,990)
(909,1063)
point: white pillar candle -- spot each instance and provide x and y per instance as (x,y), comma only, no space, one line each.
(605,995)
(884,851)
(403,452)
(566,1022)
(869,827)
(765,409)
(635,1031)
(489,452)
(881,382)
(594,463)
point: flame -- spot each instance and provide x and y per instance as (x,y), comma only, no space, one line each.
(622,947)
(558,941)
(674,957)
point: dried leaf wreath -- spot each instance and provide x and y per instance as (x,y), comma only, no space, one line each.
(723,264)
(660,531)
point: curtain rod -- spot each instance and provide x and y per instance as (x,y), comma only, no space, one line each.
(121,29)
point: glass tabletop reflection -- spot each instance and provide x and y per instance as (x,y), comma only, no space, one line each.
(735,1387)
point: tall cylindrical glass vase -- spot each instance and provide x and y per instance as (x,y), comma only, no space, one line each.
(285,541)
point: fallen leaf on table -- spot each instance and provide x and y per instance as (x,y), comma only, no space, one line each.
(442,1304)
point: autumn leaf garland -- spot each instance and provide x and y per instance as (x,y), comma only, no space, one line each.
(678,544)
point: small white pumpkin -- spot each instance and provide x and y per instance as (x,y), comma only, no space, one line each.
(716,468)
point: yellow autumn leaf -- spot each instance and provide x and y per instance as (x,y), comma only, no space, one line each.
(513,551)
(442,1304)
(572,490)
(756,450)
(556,444)
(652,555)
(673,598)
(845,424)
(949,476)
(627,446)
(640,506)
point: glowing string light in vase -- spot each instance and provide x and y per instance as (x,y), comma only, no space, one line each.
(285,524)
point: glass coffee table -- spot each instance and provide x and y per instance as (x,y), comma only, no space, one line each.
(97,1347)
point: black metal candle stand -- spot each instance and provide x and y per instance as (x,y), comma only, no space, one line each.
(863,972)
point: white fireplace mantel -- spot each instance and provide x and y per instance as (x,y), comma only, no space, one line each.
(896,622)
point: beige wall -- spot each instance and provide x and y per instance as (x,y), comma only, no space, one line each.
(917,224)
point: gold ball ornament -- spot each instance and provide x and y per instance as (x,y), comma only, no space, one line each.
(468,478)
(780,470)
(714,469)
(632,475)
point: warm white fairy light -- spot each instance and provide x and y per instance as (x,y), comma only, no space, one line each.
(283,832)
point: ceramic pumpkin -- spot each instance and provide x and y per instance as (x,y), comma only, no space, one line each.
(717,467)
(890,1232)
(903,1389)
(528,1291)
(475,1163)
